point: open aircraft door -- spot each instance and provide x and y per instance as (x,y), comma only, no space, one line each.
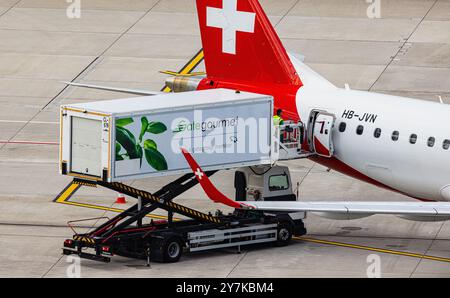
(320,133)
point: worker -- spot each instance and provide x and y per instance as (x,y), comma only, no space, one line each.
(277,119)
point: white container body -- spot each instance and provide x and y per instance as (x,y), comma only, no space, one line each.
(137,138)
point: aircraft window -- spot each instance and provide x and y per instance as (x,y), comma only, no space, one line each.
(359,130)
(446,144)
(431,141)
(342,126)
(395,136)
(278,182)
(377,133)
(413,138)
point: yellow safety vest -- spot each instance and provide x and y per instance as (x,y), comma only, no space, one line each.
(277,120)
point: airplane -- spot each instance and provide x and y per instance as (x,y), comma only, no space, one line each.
(392,142)
(340,210)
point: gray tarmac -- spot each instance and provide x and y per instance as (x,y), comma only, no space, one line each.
(125,43)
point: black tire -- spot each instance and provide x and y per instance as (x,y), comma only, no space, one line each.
(172,250)
(284,234)
(240,185)
(167,249)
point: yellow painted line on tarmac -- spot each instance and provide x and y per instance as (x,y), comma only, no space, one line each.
(189,67)
(111,209)
(374,249)
(65,195)
(174,73)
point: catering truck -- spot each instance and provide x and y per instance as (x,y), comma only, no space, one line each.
(109,142)
(133,138)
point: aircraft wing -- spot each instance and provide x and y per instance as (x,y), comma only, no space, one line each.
(114,89)
(368,208)
(423,211)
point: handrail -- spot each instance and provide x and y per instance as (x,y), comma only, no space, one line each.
(69,223)
(128,230)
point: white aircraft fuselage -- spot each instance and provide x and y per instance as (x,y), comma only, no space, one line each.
(415,161)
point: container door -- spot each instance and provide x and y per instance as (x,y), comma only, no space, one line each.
(322,139)
(86,146)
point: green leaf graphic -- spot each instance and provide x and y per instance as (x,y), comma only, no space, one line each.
(156,127)
(144,122)
(124,122)
(134,150)
(118,148)
(140,153)
(150,144)
(126,139)
(155,159)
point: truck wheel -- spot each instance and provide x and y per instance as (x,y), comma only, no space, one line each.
(284,234)
(240,185)
(172,250)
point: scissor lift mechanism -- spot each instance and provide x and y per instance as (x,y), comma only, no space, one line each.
(164,240)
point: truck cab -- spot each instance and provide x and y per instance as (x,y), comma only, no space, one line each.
(269,183)
(264,183)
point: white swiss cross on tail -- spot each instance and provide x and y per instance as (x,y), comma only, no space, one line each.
(199,173)
(230,20)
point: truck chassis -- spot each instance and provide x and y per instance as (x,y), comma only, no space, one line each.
(166,240)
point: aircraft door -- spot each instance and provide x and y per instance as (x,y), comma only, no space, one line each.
(320,133)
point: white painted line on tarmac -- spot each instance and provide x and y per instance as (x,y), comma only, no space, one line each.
(29,142)
(30,161)
(31,122)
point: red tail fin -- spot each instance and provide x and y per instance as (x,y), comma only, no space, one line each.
(240,43)
(211,191)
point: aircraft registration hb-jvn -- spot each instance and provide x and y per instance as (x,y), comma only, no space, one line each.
(396,143)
